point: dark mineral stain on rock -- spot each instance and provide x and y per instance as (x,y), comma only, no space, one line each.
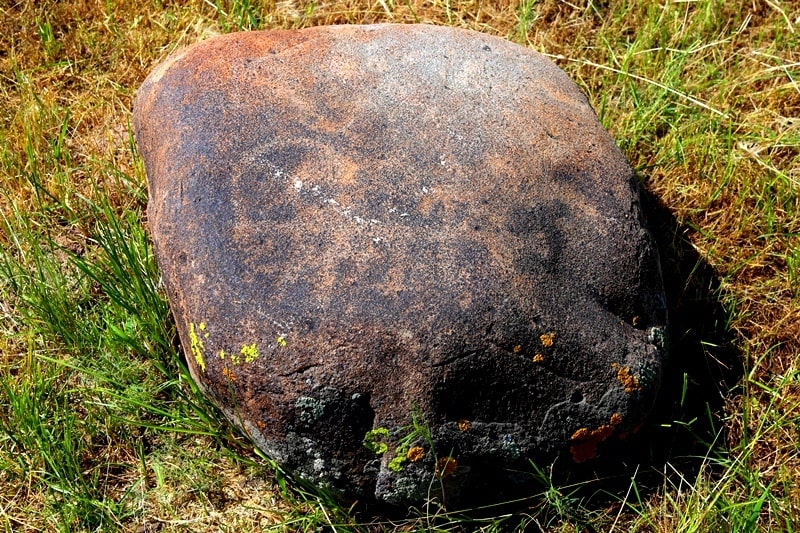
(404,236)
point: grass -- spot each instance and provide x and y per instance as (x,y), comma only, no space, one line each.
(101,427)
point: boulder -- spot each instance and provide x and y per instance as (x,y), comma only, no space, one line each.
(406,260)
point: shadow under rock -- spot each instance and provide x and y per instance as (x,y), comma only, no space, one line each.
(704,367)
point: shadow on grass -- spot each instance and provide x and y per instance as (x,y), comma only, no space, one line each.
(705,366)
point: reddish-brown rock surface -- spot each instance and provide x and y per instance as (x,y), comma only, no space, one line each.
(361,226)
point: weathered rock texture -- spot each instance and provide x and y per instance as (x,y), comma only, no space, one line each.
(363,227)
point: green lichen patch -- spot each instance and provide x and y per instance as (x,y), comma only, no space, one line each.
(400,457)
(374,440)
(311,409)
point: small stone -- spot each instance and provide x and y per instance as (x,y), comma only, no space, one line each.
(369,232)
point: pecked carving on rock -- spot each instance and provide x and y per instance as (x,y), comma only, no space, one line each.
(400,257)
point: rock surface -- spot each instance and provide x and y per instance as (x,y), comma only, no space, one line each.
(403,259)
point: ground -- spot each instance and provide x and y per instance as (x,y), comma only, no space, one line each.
(101,427)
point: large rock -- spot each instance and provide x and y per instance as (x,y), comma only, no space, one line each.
(400,257)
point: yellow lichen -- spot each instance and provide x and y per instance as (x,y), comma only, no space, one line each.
(196,345)
(538,358)
(628,380)
(415,454)
(281,341)
(464,424)
(222,354)
(250,352)
(547,339)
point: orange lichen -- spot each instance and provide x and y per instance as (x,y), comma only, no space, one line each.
(445,466)
(586,440)
(538,358)
(228,373)
(547,339)
(415,454)
(464,424)
(580,434)
(517,348)
(625,434)
(628,380)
